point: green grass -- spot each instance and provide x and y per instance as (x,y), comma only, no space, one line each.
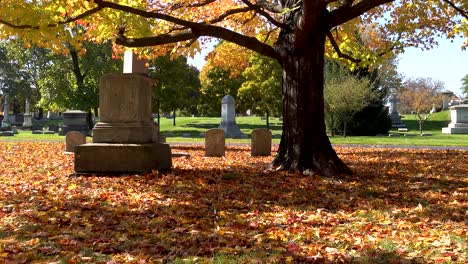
(197,125)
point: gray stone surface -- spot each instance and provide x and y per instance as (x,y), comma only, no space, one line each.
(49,132)
(125,104)
(38,132)
(27,117)
(119,158)
(261,142)
(7,133)
(73,139)
(186,135)
(74,120)
(228,118)
(393,110)
(215,143)
(14,129)
(459,120)
(6,116)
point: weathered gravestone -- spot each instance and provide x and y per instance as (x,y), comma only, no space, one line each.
(27,117)
(123,138)
(214,143)
(459,120)
(74,120)
(73,139)
(393,111)
(6,125)
(261,142)
(228,118)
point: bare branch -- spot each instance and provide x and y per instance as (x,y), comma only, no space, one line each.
(345,13)
(461,11)
(338,51)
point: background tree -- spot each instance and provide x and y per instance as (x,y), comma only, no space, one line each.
(217,82)
(464,87)
(419,96)
(345,96)
(261,89)
(299,30)
(177,85)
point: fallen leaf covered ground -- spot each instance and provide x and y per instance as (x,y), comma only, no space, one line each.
(401,206)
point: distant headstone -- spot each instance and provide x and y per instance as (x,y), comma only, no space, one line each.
(394,115)
(186,135)
(27,117)
(74,120)
(36,132)
(48,132)
(72,139)
(228,118)
(459,120)
(214,143)
(14,129)
(261,142)
(6,117)
(7,133)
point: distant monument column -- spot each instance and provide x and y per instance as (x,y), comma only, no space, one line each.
(27,122)
(123,138)
(228,118)
(394,115)
(6,116)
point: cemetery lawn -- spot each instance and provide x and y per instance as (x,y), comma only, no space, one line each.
(399,207)
(197,125)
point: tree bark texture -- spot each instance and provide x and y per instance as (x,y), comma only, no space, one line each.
(304,144)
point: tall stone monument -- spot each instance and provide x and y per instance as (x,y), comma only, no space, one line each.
(123,138)
(27,121)
(459,120)
(394,115)
(228,118)
(6,117)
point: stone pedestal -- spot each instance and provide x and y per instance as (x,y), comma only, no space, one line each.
(459,120)
(394,115)
(228,118)
(27,122)
(125,105)
(123,139)
(74,120)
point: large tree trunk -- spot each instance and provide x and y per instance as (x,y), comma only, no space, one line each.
(304,143)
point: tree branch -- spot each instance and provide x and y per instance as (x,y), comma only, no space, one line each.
(270,6)
(194,30)
(461,11)
(338,51)
(345,13)
(66,21)
(265,14)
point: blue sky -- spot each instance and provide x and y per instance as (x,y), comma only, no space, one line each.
(447,63)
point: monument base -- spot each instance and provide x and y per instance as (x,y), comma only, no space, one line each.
(455,128)
(120,158)
(123,132)
(231,130)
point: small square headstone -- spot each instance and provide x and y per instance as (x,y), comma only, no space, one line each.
(72,139)
(261,142)
(214,143)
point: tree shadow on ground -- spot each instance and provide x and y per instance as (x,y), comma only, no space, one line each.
(233,206)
